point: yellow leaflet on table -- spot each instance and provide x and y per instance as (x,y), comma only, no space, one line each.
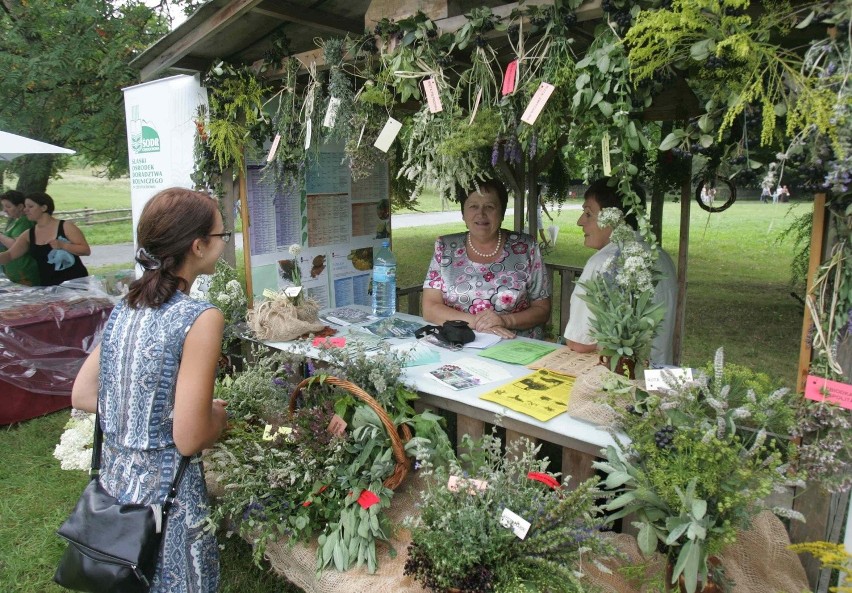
(542,395)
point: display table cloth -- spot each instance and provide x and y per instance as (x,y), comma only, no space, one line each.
(45,335)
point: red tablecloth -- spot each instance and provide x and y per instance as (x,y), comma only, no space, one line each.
(42,346)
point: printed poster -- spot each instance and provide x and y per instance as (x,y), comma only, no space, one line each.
(542,394)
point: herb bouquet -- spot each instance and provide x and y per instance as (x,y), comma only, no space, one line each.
(626,319)
(320,472)
(473,534)
(698,463)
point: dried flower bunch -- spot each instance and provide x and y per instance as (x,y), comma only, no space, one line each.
(698,463)
(464,540)
(227,294)
(74,450)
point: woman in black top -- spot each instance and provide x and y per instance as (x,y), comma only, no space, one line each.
(50,235)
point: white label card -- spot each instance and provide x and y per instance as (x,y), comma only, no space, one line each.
(308,130)
(293,291)
(516,523)
(269,294)
(331,112)
(475,106)
(433,98)
(273,149)
(388,134)
(607,166)
(657,379)
(455,483)
(537,103)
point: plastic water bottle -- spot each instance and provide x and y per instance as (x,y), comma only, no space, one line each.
(384,282)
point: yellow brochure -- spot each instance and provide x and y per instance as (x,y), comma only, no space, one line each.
(542,394)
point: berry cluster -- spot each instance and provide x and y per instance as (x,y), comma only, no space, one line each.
(445,61)
(716,63)
(569,18)
(664,437)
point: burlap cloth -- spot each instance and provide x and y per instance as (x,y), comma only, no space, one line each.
(758,562)
(588,399)
(279,320)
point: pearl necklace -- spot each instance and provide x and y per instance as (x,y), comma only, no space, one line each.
(486,255)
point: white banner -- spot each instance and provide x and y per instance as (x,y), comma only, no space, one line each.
(160,118)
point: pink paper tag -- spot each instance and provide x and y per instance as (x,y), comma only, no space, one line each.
(337,342)
(433,98)
(820,389)
(337,426)
(473,486)
(509,77)
(537,103)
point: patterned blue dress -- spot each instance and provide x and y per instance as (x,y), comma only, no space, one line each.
(140,355)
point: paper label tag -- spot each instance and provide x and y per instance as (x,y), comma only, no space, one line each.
(517,524)
(268,435)
(657,379)
(433,98)
(269,294)
(293,291)
(388,134)
(331,112)
(537,103)
(335,342)
(308,130)
(337,426)
(476,105)
(455,483)
(607,167)
(510,78)
(273,148)
(820,389)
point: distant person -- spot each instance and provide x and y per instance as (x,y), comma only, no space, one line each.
(578,332)
(765,195)
(23,270)
(784,195)
(151,379)
(55,245)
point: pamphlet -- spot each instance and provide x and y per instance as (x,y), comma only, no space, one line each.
(365,340)
(346,316)
(468,372)
(483,340)
(393,327)
(542,394)
(416,354)
(517,351)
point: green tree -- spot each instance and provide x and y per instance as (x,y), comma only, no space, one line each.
(63,64)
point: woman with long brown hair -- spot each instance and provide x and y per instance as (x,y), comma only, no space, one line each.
(151,380)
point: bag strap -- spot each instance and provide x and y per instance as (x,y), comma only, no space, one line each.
(94,473)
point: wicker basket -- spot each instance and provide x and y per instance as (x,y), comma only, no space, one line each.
(403,463)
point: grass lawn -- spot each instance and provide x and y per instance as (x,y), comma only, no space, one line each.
(738,297)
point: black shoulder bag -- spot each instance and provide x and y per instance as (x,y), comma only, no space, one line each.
(112,547)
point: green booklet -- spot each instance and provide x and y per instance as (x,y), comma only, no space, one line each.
(517,351)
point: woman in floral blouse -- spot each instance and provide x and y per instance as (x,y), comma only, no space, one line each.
(490,277)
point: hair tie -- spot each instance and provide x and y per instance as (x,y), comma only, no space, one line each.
(146,260)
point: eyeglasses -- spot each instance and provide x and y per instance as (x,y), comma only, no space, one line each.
(226,236)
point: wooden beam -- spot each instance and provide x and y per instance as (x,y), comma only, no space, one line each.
(231,11)
(817,233)
(585,12)
(682,266)
(300,15)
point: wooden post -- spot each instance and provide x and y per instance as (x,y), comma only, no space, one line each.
(227,209)
(246,218)
(578,465)
(682,257)
(817,234)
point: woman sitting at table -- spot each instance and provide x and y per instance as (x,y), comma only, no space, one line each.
(55,245)
(578,332)
(490,277)
(24,269)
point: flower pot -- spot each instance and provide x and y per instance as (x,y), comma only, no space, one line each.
(709,586)
(626,366)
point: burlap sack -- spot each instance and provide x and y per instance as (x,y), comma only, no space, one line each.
(297,563)
(588,399)
(279,320)
(758,562)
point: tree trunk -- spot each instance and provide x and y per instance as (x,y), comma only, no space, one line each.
(34,173)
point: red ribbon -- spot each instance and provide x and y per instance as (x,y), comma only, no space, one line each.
(546,479)
(367,499)
(509,77)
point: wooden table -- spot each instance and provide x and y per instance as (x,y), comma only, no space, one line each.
(581,441)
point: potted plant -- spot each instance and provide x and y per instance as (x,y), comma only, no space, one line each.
(471,534)
(695,467)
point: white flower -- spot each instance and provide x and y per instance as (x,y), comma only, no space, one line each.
(234,286)
(295,249)
(74,450)
(610,217)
